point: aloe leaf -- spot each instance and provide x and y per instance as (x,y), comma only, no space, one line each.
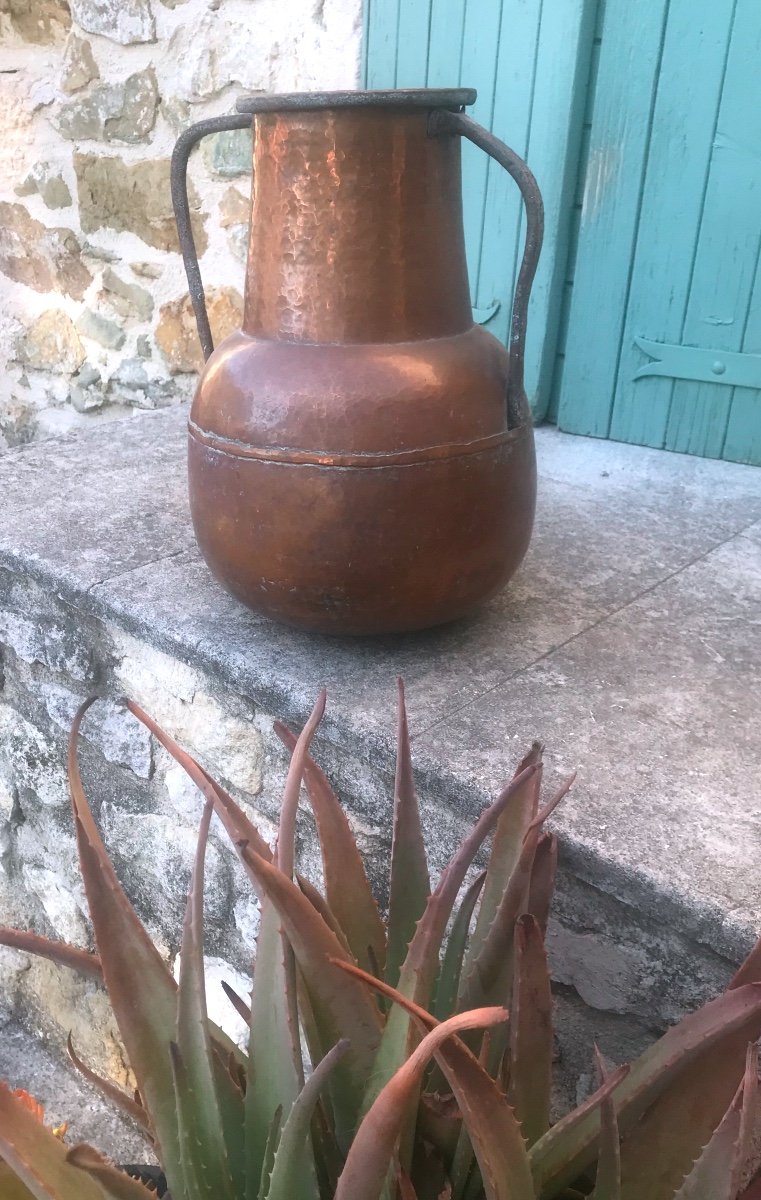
(531,1032)
(58,952)
(680,1075)
(608,1178)
(712,1175)
(347,889)
(286,842)
(115,1184)
(542,884)
(422,962)
(342,1007)
(11,1187)
(270,1149)
(209,1161)
(449,979)
(409,883)
(320,905)
(239,1004)
(372,1149)
(37,1157)
(293,1171)
(506,847)
(115,1094)
(140,987)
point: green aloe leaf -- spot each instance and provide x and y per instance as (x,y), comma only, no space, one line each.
(409,882)
(684,1069)
(608,1177)
(531,1043)
(115,1184)
(37,1157)
(117,1097)
(60,953)
(421,965)
(273,1138)
(341,1006)
(371,1152)
(140,987)
(451,967)
(347,889)
(293,1173)
(209,1161)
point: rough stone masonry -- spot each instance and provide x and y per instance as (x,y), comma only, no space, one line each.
(95,322)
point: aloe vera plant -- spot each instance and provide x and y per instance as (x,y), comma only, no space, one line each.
(429,1034)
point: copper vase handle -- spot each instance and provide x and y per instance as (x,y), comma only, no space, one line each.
(179,181)
(443,121)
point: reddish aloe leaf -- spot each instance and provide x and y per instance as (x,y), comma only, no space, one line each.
(753,1192)
(320,905)
(208,1159)
(372,1149)
(239,1004)
(542,885)
(37,1156)
(286,843)
(608,1178)
(449,979)
(748,1115)
(116,1184)
(409,883)
(341,1006)
(347,889)
(293,1171)
(506,846)
(235,821)
(679,1077)
(58,952)
(134,1111)
(145,1013)
(422,962)
(531,1032)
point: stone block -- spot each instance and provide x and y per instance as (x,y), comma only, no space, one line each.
(132,197)
(176,333)
(47,181)
(122,112)
(79,66)
(133,300)
(47,260)
(43,22)
(229,153)
(87,392)
(99,329)
(123,21)
(52,344)
(234,208)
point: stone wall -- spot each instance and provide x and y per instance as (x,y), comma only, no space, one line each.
(95,322)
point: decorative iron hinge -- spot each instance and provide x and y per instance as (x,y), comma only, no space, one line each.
(703,366)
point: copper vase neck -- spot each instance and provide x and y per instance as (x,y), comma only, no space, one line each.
(356,227)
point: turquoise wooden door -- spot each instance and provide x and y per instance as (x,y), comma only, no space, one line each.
(529,60)
(663,346)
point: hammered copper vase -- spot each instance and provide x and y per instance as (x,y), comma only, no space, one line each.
(361,453)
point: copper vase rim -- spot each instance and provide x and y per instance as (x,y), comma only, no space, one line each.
(448,98)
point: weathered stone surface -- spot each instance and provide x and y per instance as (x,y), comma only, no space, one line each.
(99,329)
(176,113)
(47,260)
(123,112)
(233,208)
(28,758)
(43,22)
(176,332)
(147,270)
(79,66)
(52,344)
(134,197)
(132,299)
(124,21)
(131,384)
(237,240)
(143,346)
(46,179)
(217,51)
(87,392)
(229,153)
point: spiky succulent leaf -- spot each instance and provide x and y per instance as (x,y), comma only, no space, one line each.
(531,1042)
(372,1149)
(115,1184)
(409,882)
(608,1176)
(451,967)
(61,953)
(293,1172)
(37,1157)
(542,884)
(347,889)
(113,1093)
(421,965)
(140,987)
(672,1068)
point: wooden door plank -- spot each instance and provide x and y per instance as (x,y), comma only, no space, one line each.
(689,92)
(727,250)
(621,120)
(412,43)
(381,29)
(743,438)
(445,43)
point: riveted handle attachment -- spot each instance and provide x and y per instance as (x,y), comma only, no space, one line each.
(443,121)
(179,181)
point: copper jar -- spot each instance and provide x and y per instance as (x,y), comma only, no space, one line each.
(361,454)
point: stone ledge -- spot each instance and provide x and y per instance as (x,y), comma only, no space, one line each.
(628,643)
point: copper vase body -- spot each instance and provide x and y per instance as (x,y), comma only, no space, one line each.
(361,454)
